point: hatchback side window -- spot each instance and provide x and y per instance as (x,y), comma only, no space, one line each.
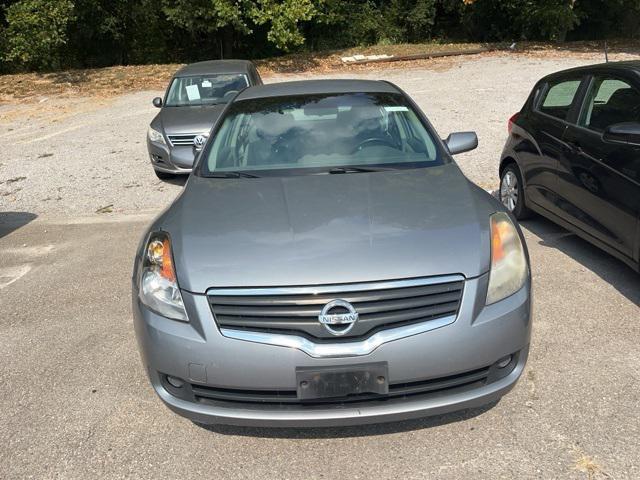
(610,101)
(559,98)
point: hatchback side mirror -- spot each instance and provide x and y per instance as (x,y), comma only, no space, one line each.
(157,102)
(628,132)
(461,142)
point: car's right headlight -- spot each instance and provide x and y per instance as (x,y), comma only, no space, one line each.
(155,136)
(158,287)
(509,267)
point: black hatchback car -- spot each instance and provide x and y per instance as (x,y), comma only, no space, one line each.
(573,155)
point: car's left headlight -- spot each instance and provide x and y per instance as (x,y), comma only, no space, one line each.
(158,287)
(509,269)
(155,136)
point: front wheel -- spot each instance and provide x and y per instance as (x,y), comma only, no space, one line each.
(164,175)
(512,192)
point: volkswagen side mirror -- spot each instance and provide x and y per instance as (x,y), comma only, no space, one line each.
(157,102)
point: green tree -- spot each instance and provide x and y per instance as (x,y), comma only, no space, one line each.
(520,19)
(608,19)
(549,19)
(208,17)
(229,19)
(107,32)
(346,23)
(409,20)
(283,17)
(36,32)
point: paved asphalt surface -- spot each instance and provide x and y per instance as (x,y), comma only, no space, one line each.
(75,402)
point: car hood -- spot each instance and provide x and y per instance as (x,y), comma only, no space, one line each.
(327,229)
(177,120)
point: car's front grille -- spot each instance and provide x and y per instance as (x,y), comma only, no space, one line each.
(182,139)
(295,310)
(471,379)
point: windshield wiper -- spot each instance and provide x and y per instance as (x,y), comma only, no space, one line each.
(356,169)
(232,174)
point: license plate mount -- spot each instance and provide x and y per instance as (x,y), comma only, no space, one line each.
(341,381)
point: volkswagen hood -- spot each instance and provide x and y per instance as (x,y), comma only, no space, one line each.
(189,119)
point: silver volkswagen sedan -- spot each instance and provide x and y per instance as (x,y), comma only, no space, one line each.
(327,263)
(196,96)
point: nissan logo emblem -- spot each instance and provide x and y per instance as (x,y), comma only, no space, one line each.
(338,312)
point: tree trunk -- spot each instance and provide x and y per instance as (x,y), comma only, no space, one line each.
(227,42)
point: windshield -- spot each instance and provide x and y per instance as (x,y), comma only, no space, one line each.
(205,89)
(321,133)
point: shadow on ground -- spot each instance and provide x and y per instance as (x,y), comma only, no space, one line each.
(178,180)
(10,221)
(610,269)
(351,431)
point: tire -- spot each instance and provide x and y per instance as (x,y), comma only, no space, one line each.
(511,193)
(164,175)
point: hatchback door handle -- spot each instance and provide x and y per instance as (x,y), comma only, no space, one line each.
(574,148)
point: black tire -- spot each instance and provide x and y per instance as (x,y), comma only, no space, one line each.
(511,194)
(164,175)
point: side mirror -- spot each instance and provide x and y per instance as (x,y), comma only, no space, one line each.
(461,142)
(628,132)
(157,102)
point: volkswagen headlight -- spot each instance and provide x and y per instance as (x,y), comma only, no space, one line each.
(509,267)
(158,283)
(155,136)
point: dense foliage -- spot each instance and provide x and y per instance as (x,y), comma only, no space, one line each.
(50,34)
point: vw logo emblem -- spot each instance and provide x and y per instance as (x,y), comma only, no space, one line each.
(199,141)
(338,312)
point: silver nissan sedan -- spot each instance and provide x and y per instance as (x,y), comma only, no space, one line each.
(327,263)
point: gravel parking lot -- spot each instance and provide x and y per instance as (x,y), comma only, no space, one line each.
(75,401)
(74,156)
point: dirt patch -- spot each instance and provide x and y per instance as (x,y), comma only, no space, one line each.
(111,81)
(100,82)
(332,60)
(587,465)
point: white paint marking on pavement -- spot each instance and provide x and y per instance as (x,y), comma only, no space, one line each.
(76,127)
(8,275)
(54,134)
(29,251)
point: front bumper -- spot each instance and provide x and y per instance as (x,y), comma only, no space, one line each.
(169,159)
(198,353)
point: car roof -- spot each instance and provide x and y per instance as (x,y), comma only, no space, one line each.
(214,66)
(314,87)
(629,65)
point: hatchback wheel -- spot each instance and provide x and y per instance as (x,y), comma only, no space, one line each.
(512,193)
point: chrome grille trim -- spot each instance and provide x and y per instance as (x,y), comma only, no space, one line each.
(329,350)
(288,316)
(182,139)
(338,288)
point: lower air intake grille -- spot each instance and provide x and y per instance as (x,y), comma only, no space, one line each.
(471,379)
